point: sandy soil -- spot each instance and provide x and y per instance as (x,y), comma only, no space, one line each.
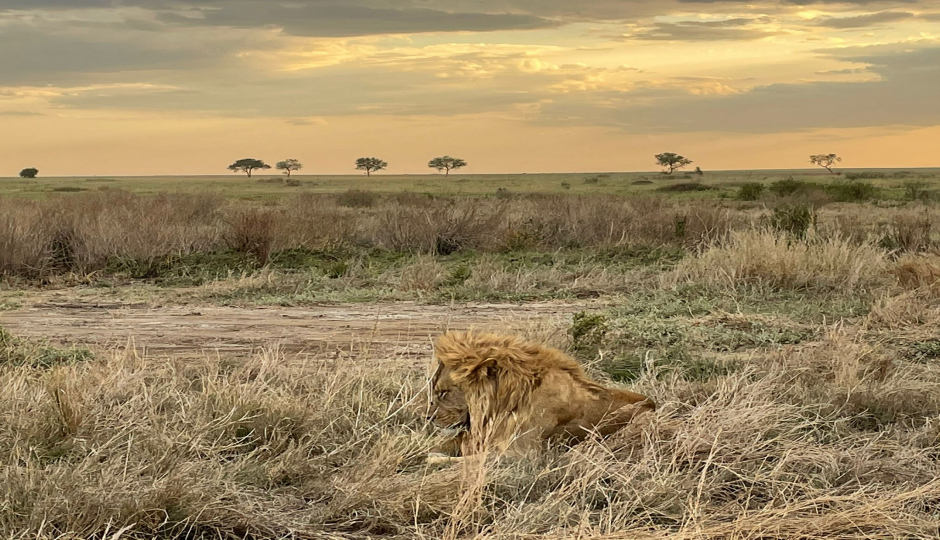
(399,329)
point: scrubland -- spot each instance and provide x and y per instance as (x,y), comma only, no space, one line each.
(792,340)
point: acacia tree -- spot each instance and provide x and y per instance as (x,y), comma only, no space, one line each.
(370,165)
(247,165)
(672,162)
(826,161)
(31,172)
(289,165)
(446,164)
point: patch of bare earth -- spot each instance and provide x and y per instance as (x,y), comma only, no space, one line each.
(396,330)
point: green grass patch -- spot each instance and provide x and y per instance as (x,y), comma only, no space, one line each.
(15,351)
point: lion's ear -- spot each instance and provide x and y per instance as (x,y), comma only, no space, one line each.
(479,369)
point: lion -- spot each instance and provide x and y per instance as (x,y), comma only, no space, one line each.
(501,393)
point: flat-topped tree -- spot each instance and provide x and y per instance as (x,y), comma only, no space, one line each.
(247,165)
(446,164)
(370,165)
(672,162)
(31,172)
(826,161)
(289,165)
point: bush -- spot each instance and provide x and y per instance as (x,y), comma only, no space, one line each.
(750,191)
(915,190)
(864,175)
(253,231)
(686,186)
(794,220)
(852,191)
(357,198)
(587,333)
(592,180)
(789,186)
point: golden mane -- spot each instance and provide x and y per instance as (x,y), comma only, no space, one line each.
(511,385)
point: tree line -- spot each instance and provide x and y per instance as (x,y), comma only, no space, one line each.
(370,165)
(670,161)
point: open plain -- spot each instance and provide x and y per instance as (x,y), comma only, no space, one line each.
(234,358)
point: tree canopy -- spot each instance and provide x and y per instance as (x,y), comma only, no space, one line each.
(672,162)
(446,164)
(370,165)
(289,165)
(247,165)
(826,161)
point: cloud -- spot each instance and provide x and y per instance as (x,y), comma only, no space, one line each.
(738,29)
(864,21)
(906,94)
(318,19)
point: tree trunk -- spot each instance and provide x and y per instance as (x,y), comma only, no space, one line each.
(288,173)
(368,172)
(446,172)
(249,173)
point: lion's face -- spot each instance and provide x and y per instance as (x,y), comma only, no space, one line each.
(449,408)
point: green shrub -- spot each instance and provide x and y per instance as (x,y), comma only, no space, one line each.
(864,175)
(788,186)
(587,332)
(794,220)
(750,191)
(687,186)
(852,191)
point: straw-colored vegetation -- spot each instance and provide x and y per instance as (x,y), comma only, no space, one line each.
(792,344)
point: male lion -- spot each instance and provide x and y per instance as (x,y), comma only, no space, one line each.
(500,392)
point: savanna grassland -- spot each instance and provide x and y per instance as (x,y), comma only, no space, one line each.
(787,323)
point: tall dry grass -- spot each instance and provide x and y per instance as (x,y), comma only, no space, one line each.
(85,233)
(833,441)
(771,259)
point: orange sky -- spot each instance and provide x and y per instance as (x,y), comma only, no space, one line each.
(128,87)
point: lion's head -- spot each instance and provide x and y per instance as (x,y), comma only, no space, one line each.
(449,409)
(501,391)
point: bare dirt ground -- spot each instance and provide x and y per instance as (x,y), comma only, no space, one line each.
(392,330)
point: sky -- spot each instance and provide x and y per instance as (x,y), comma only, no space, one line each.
(173,87)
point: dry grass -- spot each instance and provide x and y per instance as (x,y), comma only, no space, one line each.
(812,442)
(83,234)
(811,428)
(775,260)
(89,232)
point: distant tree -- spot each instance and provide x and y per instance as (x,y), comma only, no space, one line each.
(672,162)
(289,165)
(825,161)
(29,173)
(247,165)
(446,164)
(370,165)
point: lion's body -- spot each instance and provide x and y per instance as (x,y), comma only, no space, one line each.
(507,394)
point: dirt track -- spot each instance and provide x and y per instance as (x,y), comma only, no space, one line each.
(401,329)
